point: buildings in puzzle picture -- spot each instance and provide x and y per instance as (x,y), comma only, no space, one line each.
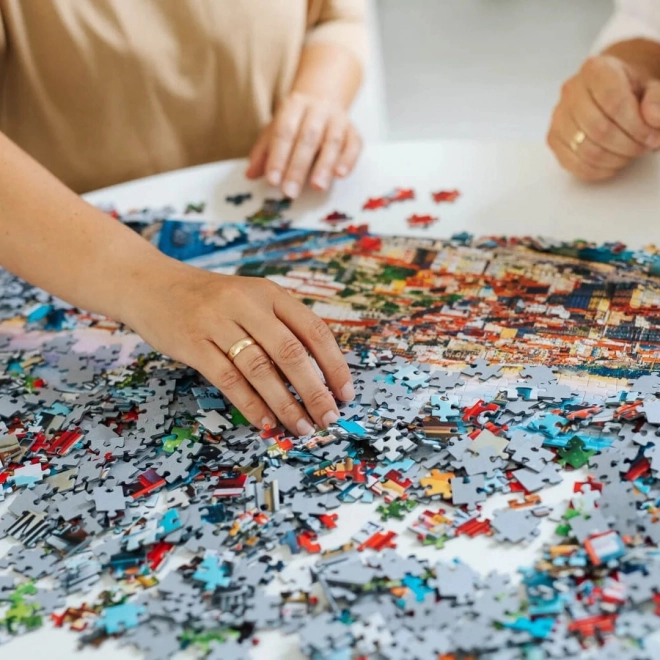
(444,302)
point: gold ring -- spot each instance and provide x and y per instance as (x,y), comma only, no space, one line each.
(239,346)
(577,140)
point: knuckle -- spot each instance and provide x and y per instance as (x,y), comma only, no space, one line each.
(258,365)
(612,101)
(285,131)
(272,288)
(335,140)
(253,407)
(311,135)
(317,397)
(288,409)
(600,128)
(318,332)
(291,351)
(592,66)
(228,379)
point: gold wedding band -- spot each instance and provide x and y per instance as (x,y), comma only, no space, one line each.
(239,346)
(577,140)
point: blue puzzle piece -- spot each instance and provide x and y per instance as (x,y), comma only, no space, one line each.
(417,586)
(58,409)
(539,628)
(118,618)
(169,522)
(290,539)
(212,572)
(549,424)
(444,409)
(352,427)
(412,377)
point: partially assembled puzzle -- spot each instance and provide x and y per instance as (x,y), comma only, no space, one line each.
(137,503)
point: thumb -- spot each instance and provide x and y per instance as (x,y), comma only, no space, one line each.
(651,104)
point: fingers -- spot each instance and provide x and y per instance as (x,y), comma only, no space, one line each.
(308,139)
(317,337)
(600,129)
(258,157)
(291,357)
(307,145)
(570,161)
(285,131)
(589,150)
(218,369)
(257,368)
(331,150)
(651,110)
(610,85)
(350,154)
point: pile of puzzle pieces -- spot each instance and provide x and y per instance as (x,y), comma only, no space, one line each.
(133,468)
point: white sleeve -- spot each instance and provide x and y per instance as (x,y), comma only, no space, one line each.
(633,19)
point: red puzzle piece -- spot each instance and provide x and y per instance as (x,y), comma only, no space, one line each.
(376,203)
(446,196)
(421,220)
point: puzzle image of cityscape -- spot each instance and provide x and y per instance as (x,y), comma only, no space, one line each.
(138,504)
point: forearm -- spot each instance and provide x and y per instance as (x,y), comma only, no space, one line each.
(329,72)
(642,54)
(52,238)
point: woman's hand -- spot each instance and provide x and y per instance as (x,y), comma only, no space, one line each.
(196,317)
(608,115)
(309,138)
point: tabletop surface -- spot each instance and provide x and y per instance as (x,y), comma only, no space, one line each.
(507,188)
(513,189)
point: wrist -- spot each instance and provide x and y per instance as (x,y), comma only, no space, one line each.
(141,275)
(316,96)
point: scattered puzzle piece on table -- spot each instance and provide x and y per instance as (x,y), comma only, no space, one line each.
(445,196)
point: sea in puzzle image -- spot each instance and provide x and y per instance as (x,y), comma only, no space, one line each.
(138,505)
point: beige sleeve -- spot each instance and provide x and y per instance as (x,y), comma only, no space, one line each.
(339,22)
(3,40)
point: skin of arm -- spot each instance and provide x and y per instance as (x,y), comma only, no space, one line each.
(52,238)
(329,72)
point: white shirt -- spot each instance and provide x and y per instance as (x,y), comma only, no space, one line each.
(632,19)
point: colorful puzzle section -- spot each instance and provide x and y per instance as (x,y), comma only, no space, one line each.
(483,368)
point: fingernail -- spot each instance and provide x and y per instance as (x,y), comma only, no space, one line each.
(322,181)
(330,418)
(274,178)
(291,189)
(653,142)
(268,422)
(347,392)
(342,170)
(303,427)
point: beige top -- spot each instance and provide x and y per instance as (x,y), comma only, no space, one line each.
(103,91)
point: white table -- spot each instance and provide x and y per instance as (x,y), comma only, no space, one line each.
(507,189)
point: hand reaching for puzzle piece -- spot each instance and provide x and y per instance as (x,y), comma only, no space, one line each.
(196,317)
(308,138)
